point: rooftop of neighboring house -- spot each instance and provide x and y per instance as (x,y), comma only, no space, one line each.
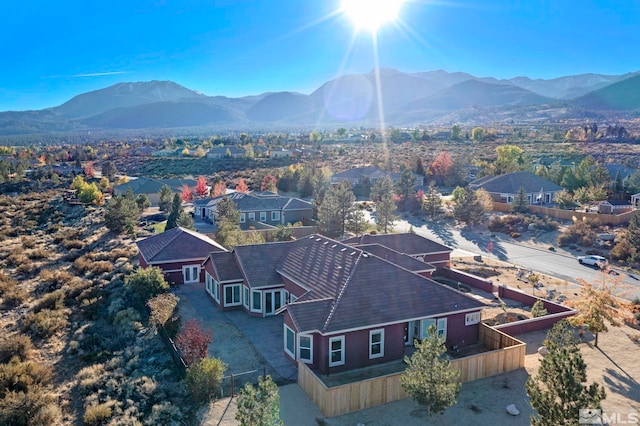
(145,185)
(624,171)
(177,244)
(258,201)
(407,243)
(510,183)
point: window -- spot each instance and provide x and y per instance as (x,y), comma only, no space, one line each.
(289,342)
(292,298)
(252,216)
(376,343)
(424,327)
(246,297)
(242,218)
(336,351)
(275,216)
(256,305)
(208,281)
(216,290)
(305,348)
(263,216)
(232,295)
(286,297)
(472,318)
(442,327)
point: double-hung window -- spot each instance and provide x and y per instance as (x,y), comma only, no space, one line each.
(376,343)
(289,342)
(263,216)
(305,348)
(336,351)
(275,216)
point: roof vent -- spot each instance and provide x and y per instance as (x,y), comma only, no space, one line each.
(334,246)
(325,243)
(343,249)
(352,253)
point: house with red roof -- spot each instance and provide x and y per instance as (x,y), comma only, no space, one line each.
(179,252)
(344,306)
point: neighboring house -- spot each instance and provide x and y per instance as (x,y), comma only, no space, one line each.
(263,207)
(279,153)
(65,169)
(614,206)
(151,187)
(226,152)
(504,188)
(306,152)
(359,176)
(179,253)
(615,169)
(166,152)
(344,307)
(410,244)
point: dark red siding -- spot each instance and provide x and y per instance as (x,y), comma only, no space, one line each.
(438,259)
(459,334)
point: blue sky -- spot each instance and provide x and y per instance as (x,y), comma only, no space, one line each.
(52,50)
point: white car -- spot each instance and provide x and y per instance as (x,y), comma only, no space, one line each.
(592,260)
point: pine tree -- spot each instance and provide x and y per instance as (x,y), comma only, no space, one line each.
(466,207)
(176,209)
(382,193)
(520,202)
(558,392)
(164,202)
(429,379)
(432,202)
(259,406)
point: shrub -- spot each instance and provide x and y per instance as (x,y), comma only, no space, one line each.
(53,279)
(28,242)
(193,341)
(38,253)
(148,282)
(538,309)
(82,264)
(203,379)
(52,301)
(45,323)
(28,408)
(96,414)
(14,296)
(162,308)
(581,232)
(128,320)
(21,376)
(19,346)
(72,244)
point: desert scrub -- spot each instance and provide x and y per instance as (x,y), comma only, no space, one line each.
(19,346)
(53,279)
(97,414)
(72,244)
(91,379)
(100,267)
(37,254)
(28,242)
(52,301)
(128,321)
(45,323)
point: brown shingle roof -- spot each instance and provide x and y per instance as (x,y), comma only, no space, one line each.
(349,288)
(257,263)
(225,265)
(177,244)
(407,243)
(403,260)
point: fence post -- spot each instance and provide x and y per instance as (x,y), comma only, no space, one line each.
(232,394)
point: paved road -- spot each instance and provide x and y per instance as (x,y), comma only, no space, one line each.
(560,264)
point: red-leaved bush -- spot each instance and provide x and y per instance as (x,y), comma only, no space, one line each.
(193,341)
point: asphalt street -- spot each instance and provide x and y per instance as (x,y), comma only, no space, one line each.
(560,263)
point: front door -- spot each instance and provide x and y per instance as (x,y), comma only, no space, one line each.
(411,332)
(272,301)
(191,274)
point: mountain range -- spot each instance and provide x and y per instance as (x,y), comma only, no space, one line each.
(434,97)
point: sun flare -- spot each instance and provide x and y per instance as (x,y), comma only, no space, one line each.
(371,14)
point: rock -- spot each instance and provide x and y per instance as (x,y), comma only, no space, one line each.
(542,350)
(511,409)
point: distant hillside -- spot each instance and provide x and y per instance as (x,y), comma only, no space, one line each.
(437,97)
(621,96)
(473,93)
(124,95)
(162,115)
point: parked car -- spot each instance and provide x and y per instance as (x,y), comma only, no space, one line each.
(592,260)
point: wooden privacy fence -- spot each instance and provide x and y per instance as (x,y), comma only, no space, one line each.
(507,354)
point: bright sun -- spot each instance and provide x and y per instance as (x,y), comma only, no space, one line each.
(371,14)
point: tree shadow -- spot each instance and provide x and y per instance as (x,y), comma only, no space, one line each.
(484,242)
(622,384)
(613,372)
(438,226)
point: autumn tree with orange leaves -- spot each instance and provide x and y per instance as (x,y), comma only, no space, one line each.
(241,186)
(218,189)
(186,194)
(269,183)
(201,188)
(598,304)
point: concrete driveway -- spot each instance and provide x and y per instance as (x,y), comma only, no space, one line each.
(243,342)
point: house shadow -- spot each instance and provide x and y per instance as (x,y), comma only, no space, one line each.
(484,242)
